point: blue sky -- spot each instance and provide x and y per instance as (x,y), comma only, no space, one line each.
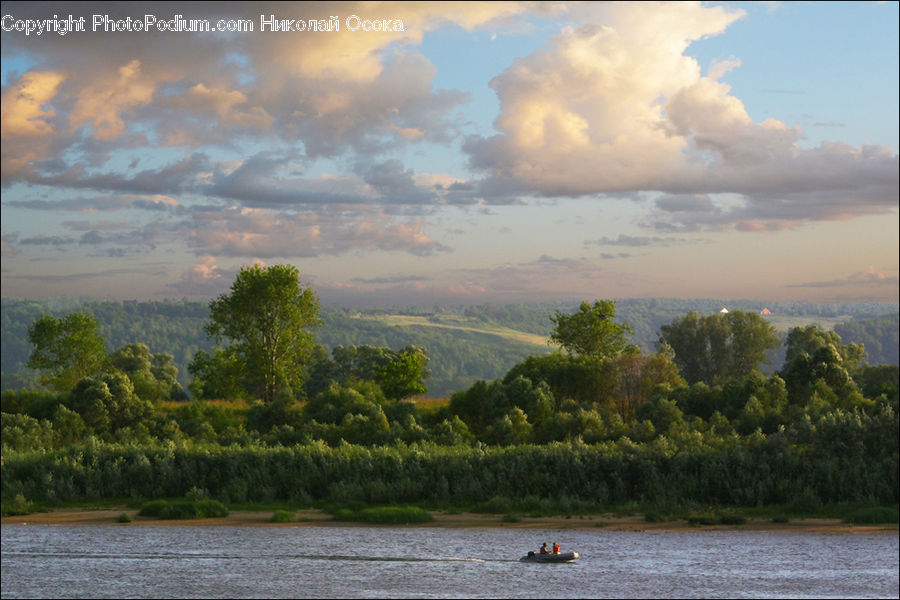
(499,152)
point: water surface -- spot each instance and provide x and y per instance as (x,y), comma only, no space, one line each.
(121,561)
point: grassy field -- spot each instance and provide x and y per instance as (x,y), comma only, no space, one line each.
(785,323)
(459,322)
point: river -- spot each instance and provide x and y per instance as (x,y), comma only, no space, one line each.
(123,561)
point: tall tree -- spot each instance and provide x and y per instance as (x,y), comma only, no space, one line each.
(266,317)
(155,376)
(807,340)
(400,374)
(68,349)
(716,348)
(591,331)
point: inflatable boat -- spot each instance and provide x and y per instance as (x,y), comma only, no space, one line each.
(549,558)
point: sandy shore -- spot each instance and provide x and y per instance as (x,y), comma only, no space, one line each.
(316,518)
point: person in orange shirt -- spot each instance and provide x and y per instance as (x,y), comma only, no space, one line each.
(555,548)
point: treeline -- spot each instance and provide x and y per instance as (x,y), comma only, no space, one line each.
(278,415)
(879,335)
(459,358)
(840,458)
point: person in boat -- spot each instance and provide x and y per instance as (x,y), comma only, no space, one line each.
(555,548)
(544,549)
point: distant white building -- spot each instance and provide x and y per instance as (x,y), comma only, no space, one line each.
(724,311)
(765,311)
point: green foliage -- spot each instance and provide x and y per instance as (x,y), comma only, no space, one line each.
(591,330)
(184,509)
(565,430)
(399,374)
(879,335)
(154,376)
(125,518)
(384,515)
(108,403)
(840,457)
(458,356)
(17,506)
(67,349)
(284,410)
(581,378)
(716,348)
(880,382)
(823,376)
(874,515)
(39,404)
(811,339)
(265,318)
(283,516)
(216,375)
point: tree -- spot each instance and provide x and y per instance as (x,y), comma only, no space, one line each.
(637,376)
(400,374)
(154,375)
(716,348)
(266,317)
(404,374)
(69,349)
(216,375)
(809,339)
(108,403)
(591,331)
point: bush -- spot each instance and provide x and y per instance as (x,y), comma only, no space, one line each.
(702,519)
(283,516)
(19,506)
(184,509)
(125,518)
(874,515)
(392,515)
(732,519)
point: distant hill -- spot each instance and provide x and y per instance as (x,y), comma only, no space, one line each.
(878,334)
(464,343)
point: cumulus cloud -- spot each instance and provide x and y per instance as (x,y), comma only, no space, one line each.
(266,233)
(104,103)
(328,93)
(25,111)
(614,105)
(203,279)
(293,145)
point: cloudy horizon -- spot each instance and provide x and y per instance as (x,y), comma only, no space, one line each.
(486,152)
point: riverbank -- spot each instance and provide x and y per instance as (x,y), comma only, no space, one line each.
(462,520)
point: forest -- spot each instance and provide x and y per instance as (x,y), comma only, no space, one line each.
(264,406)
(465,343)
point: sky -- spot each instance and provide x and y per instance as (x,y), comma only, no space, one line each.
(444,153)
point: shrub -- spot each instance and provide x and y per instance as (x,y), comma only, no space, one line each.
(732,519)
(874,515)
(184,509)
(154,508)
(392,515)
(702,519)
(283,516)
(125,518)
(19,506)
